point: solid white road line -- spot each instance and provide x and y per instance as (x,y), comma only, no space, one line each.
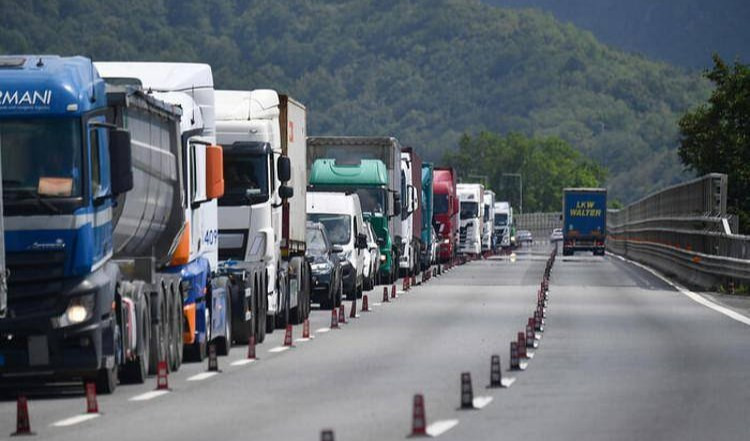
(279,349)
(75,420)
(322,330)
(697,298)
(440,427)
(149,395)
(202,376)
(244,362)
(480,402)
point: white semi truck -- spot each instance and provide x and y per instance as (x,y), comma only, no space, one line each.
(503,225)
(471,214)
(262,214)
(488,232)
(206,303)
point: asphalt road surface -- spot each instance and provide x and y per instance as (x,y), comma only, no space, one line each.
(623,357)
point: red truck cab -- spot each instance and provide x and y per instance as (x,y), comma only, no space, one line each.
(445,211)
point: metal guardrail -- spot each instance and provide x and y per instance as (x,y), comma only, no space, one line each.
(684,231)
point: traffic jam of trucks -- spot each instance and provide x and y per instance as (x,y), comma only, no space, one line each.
(150,219)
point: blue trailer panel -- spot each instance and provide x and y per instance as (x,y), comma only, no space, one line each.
(584,220)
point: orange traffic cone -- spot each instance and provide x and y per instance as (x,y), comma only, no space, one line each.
(418,417)
(162,381)
(23,423)
(91,405)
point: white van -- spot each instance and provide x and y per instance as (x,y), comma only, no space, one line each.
(341,214)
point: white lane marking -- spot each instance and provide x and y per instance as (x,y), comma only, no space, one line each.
(279,349)
(440,427)
(75,420)
(377,304)
(508,382)
(242,362)
(697,298)
(302,339)
(322,330)
(149,395)
(202,376)
(480,402)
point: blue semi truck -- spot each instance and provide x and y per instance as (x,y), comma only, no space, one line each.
(102,283)
(584,220)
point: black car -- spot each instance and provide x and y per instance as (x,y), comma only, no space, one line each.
(325,264)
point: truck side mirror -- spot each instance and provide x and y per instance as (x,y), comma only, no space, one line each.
(286,192)
(337,249)
(396,204)
(214,172)
(285,168)
(120,161)
(361,241)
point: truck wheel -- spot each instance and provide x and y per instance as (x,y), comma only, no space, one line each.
(260,319)
(158,346)
(136,371)
(224,344)
(175,326)
(241,328)
(106,380)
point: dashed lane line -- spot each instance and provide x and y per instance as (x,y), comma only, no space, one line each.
(278,349)
(481,402)
(202,376)
(440,427)
(75,420)
(149,395)
(243,362)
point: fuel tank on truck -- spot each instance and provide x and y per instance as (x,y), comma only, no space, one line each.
(148,220)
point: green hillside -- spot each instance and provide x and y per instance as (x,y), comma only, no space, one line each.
(425,71)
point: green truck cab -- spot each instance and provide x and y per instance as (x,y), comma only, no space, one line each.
(369,179)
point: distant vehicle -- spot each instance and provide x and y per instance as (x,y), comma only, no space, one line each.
(504,225)
(445,211)
(325,263)
(557,235)
(411,212)
(471,215)
(488,232)
(372,258)
(341,214)
(584,220)
(524,236)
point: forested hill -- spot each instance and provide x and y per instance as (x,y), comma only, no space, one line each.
(684,32)
(425,71)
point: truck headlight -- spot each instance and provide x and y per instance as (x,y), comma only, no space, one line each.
(78,311)
(446,242)
(382,258)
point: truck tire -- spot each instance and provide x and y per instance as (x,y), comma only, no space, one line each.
(261,300)
(175,327)
(282,313)
(241,328)
(136,371)
(224,344)
(159,332)
(106,380)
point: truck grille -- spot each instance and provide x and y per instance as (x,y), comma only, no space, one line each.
(35,278)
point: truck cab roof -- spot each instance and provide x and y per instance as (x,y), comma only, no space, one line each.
(31,85)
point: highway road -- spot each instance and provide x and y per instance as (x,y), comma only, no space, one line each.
(624,357)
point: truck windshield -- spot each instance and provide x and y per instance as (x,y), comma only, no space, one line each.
(469,209)
(338,226)
(440,204)
(316,242)
(245,178)
(372,200)
(501,219)
(41,158)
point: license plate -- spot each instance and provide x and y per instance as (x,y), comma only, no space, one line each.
(38,350)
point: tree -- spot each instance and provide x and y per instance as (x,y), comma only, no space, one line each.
(547,165)
(715,137)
